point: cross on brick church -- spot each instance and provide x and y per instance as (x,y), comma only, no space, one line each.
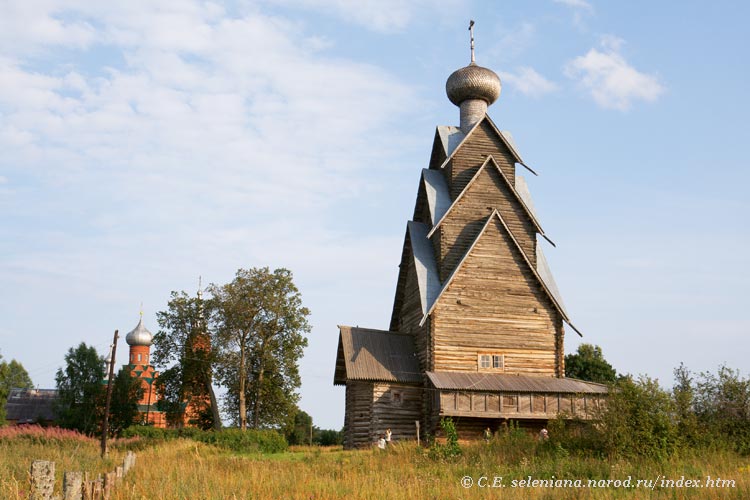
(477,325)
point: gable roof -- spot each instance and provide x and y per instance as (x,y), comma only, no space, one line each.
(437,193)
(501,382)
(546,274)
(492,216)
(425,265)
(506,140)
(29,405)
(376,355)
(523,191)
(450,137)
(510,185)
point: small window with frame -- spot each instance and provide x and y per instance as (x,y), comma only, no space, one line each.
(397,398)
(493,362)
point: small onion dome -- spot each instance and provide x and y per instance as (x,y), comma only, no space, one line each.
(139,335)
(473,82)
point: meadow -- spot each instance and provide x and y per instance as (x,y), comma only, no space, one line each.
(189,469)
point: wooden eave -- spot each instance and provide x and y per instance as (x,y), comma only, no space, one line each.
(497,131)
(512,383)
(531,267)
(510,185)
(376,355)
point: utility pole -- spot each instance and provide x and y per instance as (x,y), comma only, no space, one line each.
(105,424)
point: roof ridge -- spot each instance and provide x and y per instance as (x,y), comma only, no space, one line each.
(510,185)
(499,134)
(460,264)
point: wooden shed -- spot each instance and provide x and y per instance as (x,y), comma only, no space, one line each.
(477,326)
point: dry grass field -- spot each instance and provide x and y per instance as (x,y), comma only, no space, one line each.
(185,469)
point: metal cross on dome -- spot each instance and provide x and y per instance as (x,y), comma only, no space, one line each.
(471,31)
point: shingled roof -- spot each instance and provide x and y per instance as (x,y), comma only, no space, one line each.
(501,382)
(375,355)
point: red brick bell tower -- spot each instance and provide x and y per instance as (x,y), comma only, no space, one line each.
(140,339)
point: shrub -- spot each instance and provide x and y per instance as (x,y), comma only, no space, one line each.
(639,420)
(248,441)
(450,449)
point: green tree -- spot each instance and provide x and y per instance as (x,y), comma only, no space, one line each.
(260,324)
(123,409)
(638,420)
(80,385)
(184,344)
(588,363)
(299,431)
(12,376)
(722,405)
(683,393)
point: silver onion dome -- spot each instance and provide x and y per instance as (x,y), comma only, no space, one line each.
(473,82)
(139,335)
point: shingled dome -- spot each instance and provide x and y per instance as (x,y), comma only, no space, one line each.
(139,335)
(473,82)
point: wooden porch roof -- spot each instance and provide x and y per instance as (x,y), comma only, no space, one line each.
(501,382)
(375,355)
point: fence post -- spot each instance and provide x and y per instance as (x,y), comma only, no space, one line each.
(72,485)
(109,484)
(42,480)
(97,490)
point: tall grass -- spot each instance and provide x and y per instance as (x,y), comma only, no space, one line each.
(187,469)
(70,450)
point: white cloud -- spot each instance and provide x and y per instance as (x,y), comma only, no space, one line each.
(175,139)
(580,9)
(385,16)
(611,81)
(512,42)
(575,4)
(527,81)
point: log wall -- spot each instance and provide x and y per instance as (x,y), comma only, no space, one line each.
(496,305)
(400,417)
(468,215)
(358,414)
(483,142)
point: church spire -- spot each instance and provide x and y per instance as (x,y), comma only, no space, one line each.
(472,88)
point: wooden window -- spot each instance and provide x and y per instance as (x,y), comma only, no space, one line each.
(491,362)
(498,361)
(484,361)
(397,398)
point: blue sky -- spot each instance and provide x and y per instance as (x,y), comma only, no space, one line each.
(147,143)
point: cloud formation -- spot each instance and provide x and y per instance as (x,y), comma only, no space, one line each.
(527,81)
(384,16)
(610,79)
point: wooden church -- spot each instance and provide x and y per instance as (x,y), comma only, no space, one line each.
(476,331)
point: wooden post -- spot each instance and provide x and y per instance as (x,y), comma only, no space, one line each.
(109,484)
(72,486)
(42,480)
(105,425)
(416,422)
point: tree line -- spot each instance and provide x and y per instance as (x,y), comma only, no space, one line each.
(246,336)
(640,418)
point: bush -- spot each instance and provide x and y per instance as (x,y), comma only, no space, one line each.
(638,420)
(450,449)
(248,441)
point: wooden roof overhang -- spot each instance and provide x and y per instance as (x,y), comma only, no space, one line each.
(491,163)
(376,355)
(506,139)
(501,382)
(557,303)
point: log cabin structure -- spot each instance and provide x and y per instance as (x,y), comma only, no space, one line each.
(476,330)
